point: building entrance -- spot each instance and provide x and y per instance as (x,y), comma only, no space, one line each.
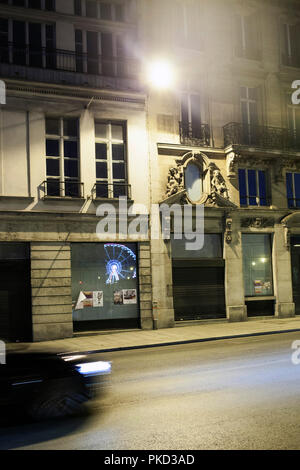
(15,292)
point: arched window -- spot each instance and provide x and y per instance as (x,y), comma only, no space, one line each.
(193,181)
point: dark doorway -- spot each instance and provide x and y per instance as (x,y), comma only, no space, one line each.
(295,260)
(198,289)
(15,292)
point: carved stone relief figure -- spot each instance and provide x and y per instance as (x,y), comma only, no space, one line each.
(175,180)
(218,184)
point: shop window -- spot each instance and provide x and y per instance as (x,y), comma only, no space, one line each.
(62,157)
(111,171)
(104,283)
(257,265)
(293,189)
(212,248)
(253,187)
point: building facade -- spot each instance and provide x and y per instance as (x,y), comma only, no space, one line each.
(81,127)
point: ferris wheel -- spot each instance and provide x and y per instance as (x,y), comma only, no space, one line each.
(120,263)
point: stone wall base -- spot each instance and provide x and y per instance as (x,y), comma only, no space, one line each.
(285,309)
(236,313)
(52,331)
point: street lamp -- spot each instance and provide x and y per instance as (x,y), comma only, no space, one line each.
(160,74)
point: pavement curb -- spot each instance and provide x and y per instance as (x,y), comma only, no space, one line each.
(188,341)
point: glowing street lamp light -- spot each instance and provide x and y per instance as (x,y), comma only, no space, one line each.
(160,74)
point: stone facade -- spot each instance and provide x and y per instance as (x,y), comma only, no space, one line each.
(228,110)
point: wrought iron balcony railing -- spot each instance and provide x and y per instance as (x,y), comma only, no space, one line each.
(67,188)
(68,61)
(261,136)
(191,134)
(104,190)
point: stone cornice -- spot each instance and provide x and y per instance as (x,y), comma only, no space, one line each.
(24,88)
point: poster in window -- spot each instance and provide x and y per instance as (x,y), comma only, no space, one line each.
(258,286)
(81,298)
(129,296)
(118,297)
(88,301)
(98,298)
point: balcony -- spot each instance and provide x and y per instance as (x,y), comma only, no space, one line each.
(61,66)
(265,137)
(103,190)
(53,188)
(195,135)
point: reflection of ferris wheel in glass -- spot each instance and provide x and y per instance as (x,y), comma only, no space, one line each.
(120,263)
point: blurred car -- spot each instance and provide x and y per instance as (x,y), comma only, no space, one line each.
(50,385)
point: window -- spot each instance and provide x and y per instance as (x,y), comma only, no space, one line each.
(188,28)
(247,42)
(102,53)
(104,10)
(48,5)
(249,114)
(62,157)
(253,187)
(33,44)
(257,265)
(191,113)
(293,189)
(290,44)
(111,172)
(193,181)
(192,130)
(293,126)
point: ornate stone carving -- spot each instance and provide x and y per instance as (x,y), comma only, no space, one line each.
(231,165)
(257,222)
(218,184)
(215,191)
(175,180)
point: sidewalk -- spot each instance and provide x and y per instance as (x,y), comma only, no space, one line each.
(183,333)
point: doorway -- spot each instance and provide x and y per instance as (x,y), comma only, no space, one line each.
(15,292)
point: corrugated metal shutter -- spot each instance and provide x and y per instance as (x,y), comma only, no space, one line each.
(198,291)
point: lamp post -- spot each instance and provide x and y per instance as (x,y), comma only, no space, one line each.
(160,76)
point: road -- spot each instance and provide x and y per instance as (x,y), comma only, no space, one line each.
(234,394)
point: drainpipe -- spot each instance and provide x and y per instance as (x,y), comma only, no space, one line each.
(28,152)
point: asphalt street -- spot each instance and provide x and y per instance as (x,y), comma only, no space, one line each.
(228,394)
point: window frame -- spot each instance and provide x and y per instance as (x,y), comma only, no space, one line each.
(113,10)
(26,5)
(296,201)
(109,142)
(258,190)
(61,158)
(12,47)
